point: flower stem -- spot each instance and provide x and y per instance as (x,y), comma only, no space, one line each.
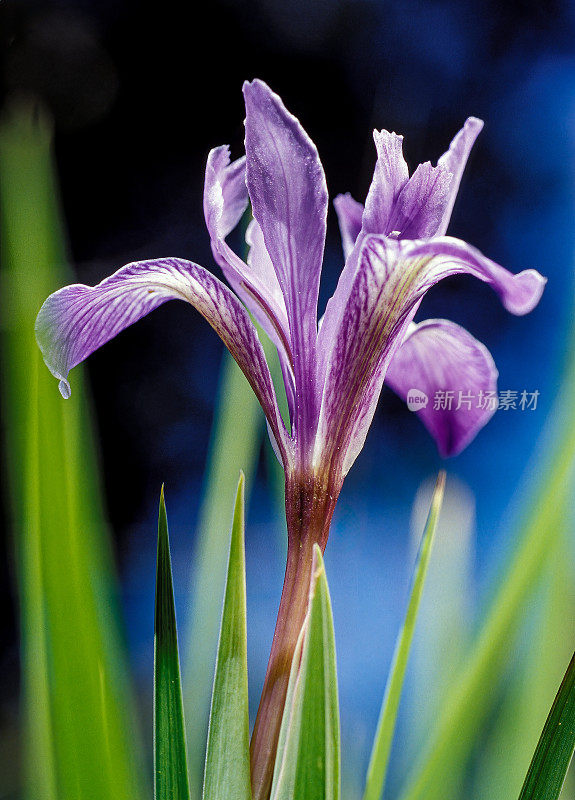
(291,615)
(309,509)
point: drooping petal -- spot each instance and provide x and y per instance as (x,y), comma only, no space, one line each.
(349,214)
(77,320)
(443,256)
(419,207)
(370,327)
(255,283)
(390,280)
(389,178)
(287,188)
(454,161)
(448,378)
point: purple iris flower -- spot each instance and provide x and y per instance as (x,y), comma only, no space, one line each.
(395,250)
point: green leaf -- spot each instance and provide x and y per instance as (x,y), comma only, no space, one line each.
(236,438)
(308,757)
(170,763)
(554,751)
(516,723)
(80,738)
(473,691)
(384,735)
(227,774)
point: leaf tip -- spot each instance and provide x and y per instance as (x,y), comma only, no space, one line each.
(439,489)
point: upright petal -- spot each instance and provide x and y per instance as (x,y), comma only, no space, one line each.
(389,178)
(287,188)
(419,207)
(225,192)
(260,263)
(225,200)
(349,213)
(452,374)
(77,320)
(454,161)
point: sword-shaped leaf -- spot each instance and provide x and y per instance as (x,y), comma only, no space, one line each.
(170,763)
(227,774)
(554,751)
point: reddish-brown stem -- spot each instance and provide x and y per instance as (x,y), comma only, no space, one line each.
(309,509)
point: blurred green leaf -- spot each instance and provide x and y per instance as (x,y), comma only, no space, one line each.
(308,756)
(170,762)
(227,774)
(80,738)
(444,628)
(554,751)
(516,723)
(473,691)
(384,735)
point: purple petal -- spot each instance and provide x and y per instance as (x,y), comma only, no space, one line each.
(454,161)
(225,192)
(287,188)
(419,208)
(367,323)
(444,256)
(255,283)
(349,214)
(78,319)
(370,327)
(444,373)
(389,178)
(260,263)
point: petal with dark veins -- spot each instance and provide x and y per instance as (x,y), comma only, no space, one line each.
(419,207)
(77,320)
(390,280)
(389,178)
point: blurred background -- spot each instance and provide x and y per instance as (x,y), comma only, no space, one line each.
(138,94)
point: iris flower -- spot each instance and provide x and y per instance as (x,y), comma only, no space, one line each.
(395,250)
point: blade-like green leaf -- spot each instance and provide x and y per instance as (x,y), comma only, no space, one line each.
(236,438)
(308,757)
(170,762)
(80,736)
(235,442)
(227,773)
(554,751)
(384,735)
